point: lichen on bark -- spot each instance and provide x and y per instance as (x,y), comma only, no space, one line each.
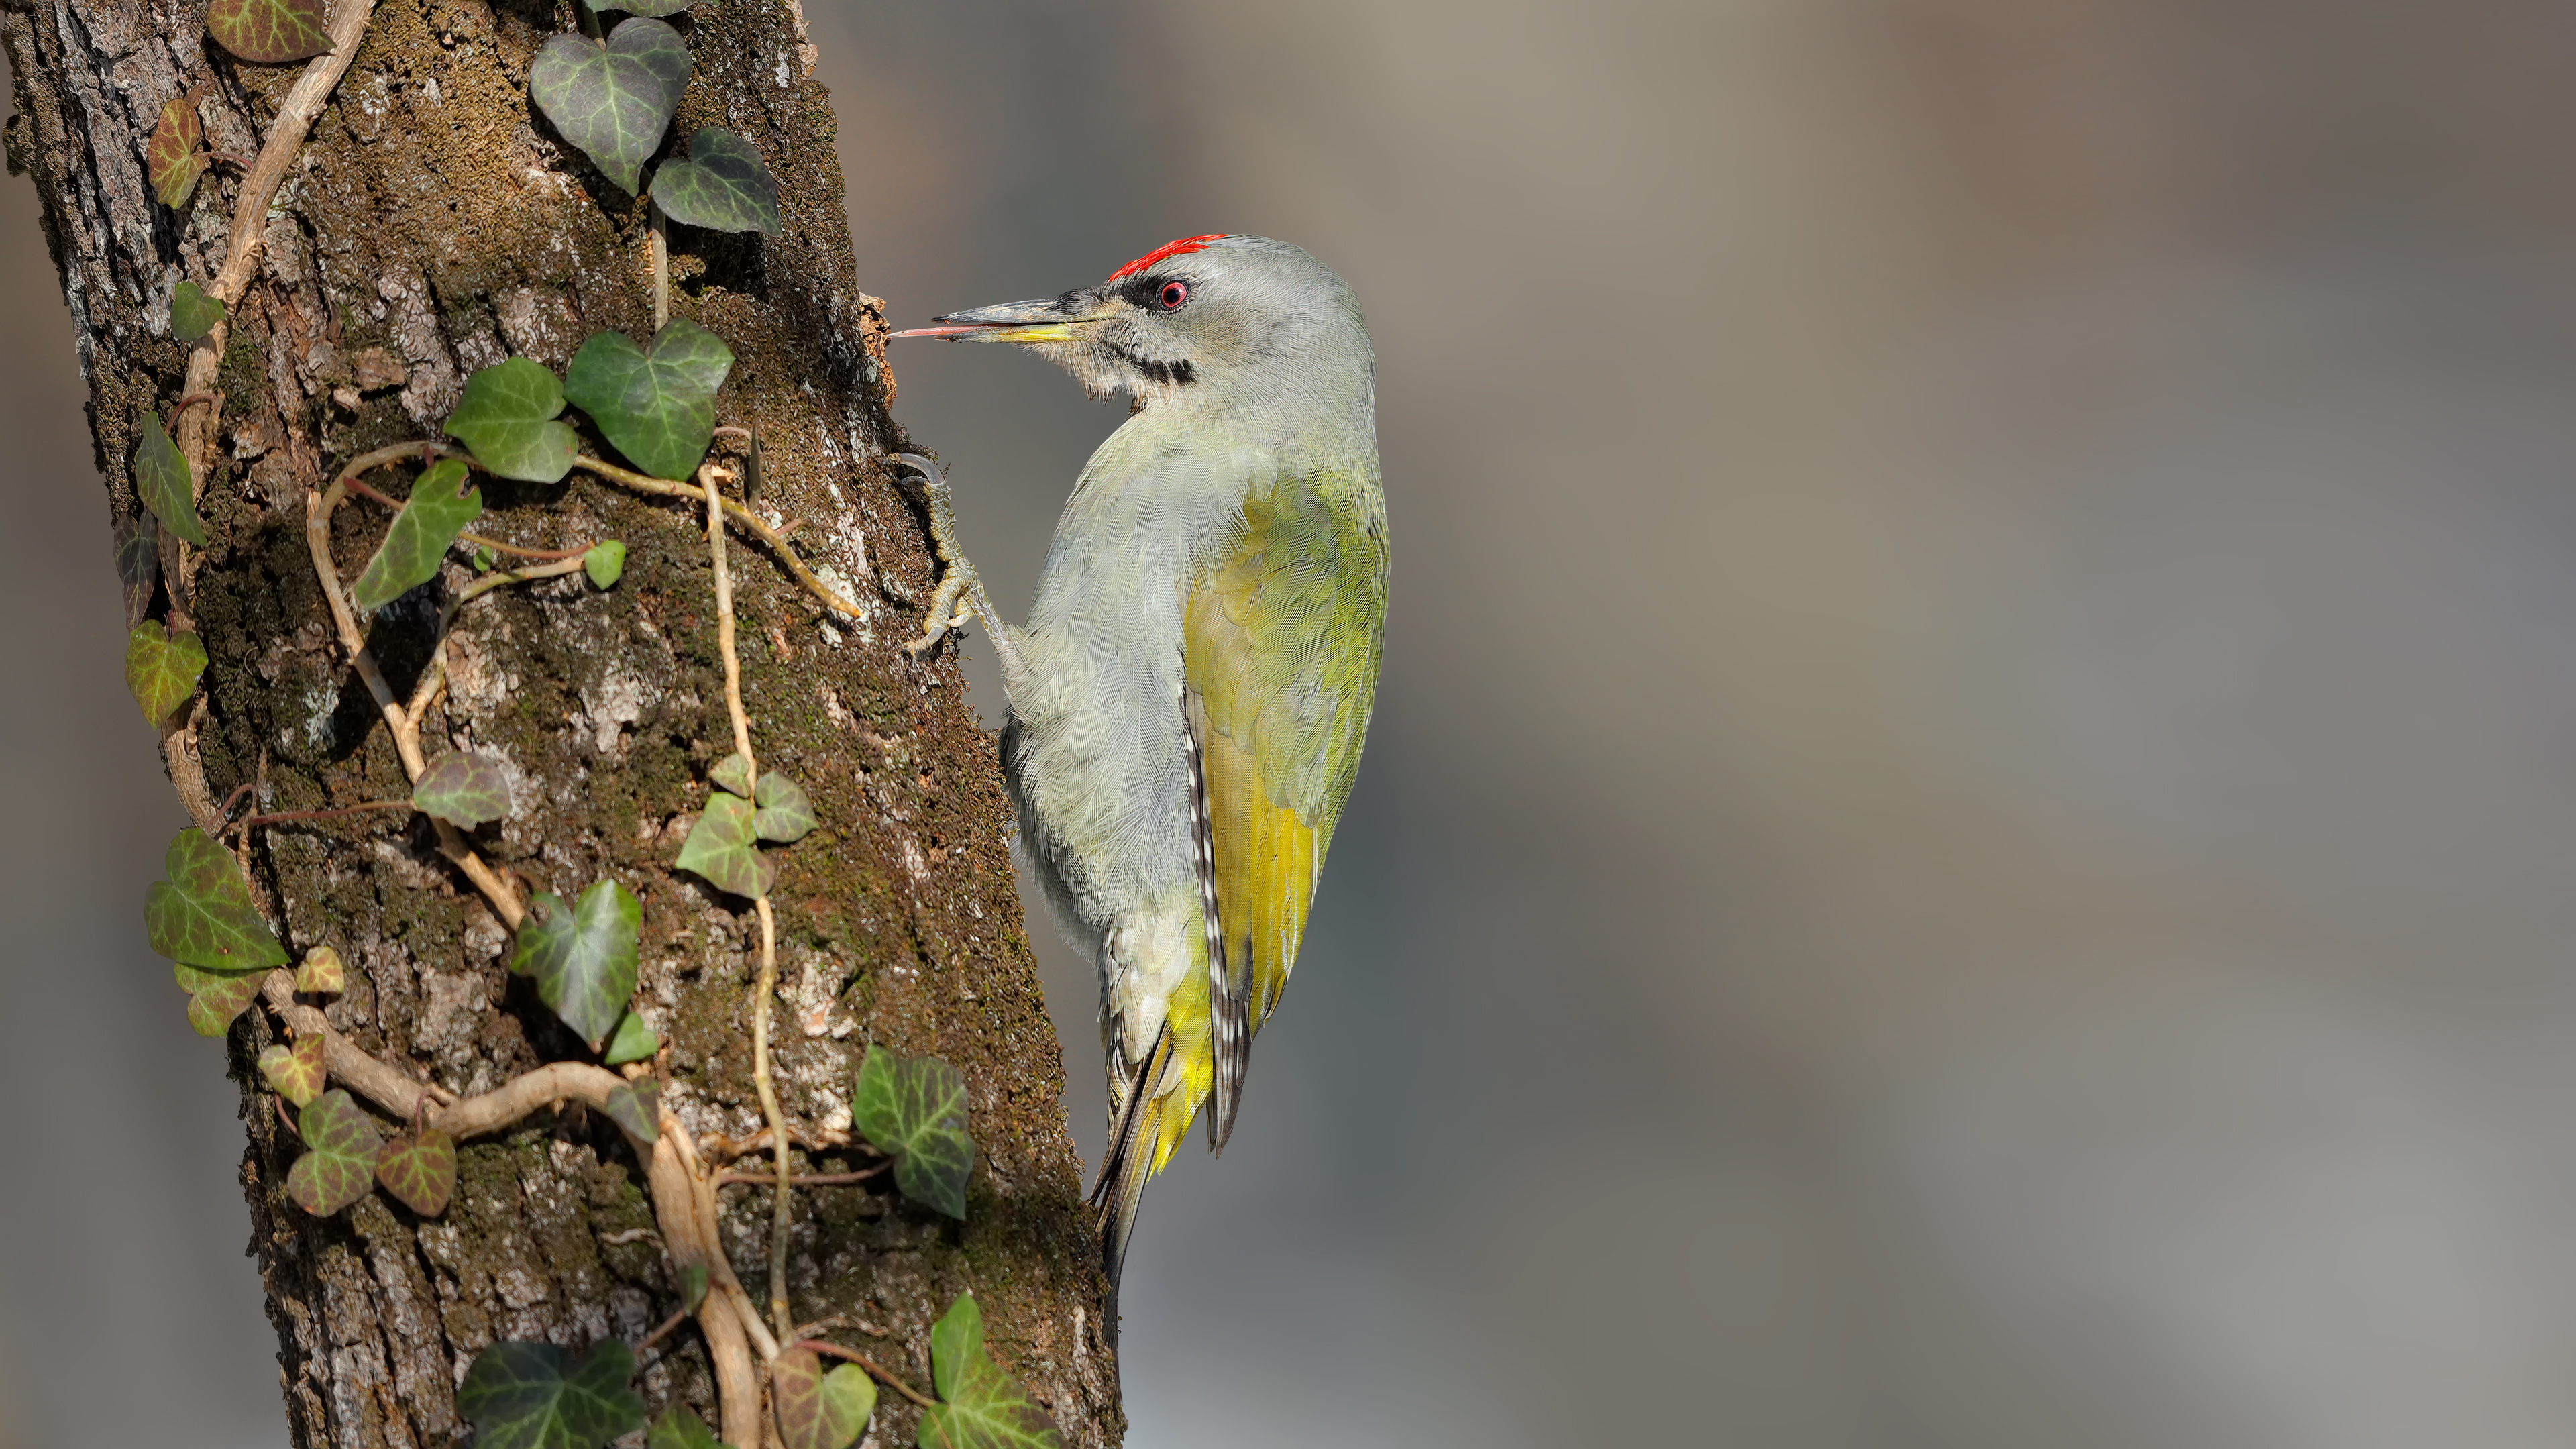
(434,224)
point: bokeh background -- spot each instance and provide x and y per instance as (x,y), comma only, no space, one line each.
(1971,835)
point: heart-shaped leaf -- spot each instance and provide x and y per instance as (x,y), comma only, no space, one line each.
(465,788)
(161,481)
(722,186)
(732,773)
(605,562)
(322,972)
(339,1160)
(175,156)
(583,958)
(212,1008)
(980,1406)
(138,563)
(295,1072)
(538,1396)
(202,915)
(440,506)
(419,1171)
(507,417)
(913,1109)
(162,668)
(615,100)
(269,32)
(720,847)
(193,979)
(681,1429)
(193,311)
(784,814)
(658,405)
(637,1107)
(632,1042)
(657,8)
(818,1410)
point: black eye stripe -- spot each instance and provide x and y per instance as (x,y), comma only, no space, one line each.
(1147,292)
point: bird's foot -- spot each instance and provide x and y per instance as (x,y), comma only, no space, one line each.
(959,597)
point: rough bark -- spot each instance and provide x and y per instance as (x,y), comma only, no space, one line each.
(435,224)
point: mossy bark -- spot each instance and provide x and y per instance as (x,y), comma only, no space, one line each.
(435,224)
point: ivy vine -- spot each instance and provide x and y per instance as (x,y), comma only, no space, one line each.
(655,403)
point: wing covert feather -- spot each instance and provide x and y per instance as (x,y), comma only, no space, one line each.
(1281,642)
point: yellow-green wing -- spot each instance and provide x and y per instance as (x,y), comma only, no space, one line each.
(1280,642)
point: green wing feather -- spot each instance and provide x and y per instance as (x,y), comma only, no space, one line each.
(1281,643)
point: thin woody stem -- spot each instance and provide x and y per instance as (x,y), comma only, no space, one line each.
(808,1179)
(406,729)
(751,522)
(282,817)
(661,249)
(781,1215)
(882,1374)
(663,1331)
(404,454)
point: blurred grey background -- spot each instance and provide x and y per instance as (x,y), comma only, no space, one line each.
(1971,835)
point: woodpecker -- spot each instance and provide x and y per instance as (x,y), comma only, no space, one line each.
(1189,697)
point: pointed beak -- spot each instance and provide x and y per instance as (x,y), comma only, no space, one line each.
(1050,319)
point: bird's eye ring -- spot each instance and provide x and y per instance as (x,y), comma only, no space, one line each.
(1174,293)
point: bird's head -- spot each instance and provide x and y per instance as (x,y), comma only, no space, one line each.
(1203,318)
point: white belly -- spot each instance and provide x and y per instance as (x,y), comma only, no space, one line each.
(1096,753)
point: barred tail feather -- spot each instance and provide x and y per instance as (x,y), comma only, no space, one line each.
(1133,1153)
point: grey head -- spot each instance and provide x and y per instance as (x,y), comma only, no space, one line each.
(1207,322)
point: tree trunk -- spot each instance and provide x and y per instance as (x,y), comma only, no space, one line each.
(433,223)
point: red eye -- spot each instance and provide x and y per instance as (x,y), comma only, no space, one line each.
(1173,295)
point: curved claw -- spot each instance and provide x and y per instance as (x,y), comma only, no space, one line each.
(948,610)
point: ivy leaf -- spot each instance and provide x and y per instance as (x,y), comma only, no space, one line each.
(693,1287)
(439,508)
(538,1396)
(615,100)
(681,1429)
(192,979)
(294,1071)
(722,186)
(632,1042)
(732,773)
(269,32)
(637,1107)
(161,481)
(202,915)
(162,668)
(785,814)
(817,1410)
(605,562)
(980,1406)
(193,311)
(913,1109)
(507,416)
(322,972)
(656,8)
(420,1171)
(339,1162)
(465,788)
(583,958)
(212,1008)
(138,563)
(175,156)
(720,847)
(658,405)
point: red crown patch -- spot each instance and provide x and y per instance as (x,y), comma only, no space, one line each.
(1182,247)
